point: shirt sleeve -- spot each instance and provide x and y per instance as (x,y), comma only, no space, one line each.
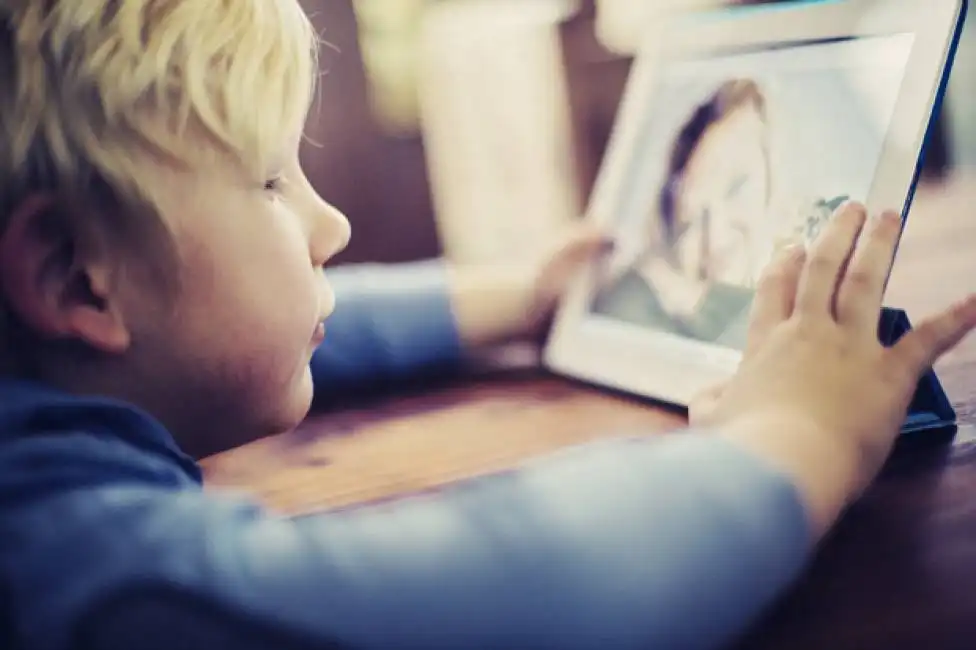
(390,321)
(651,542)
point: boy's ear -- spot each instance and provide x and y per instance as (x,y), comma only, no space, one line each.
(57,281)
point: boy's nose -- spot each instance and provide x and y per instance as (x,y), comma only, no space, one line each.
(330,233)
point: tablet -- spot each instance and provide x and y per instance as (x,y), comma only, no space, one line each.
(740,131)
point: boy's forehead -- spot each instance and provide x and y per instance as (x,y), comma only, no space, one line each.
(214,170)
(207,159)
(287,155)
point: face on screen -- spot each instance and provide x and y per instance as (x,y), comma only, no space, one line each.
(722,200)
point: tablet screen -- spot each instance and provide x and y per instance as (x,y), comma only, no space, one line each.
(741,154)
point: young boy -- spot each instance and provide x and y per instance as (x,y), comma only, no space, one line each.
(162,292)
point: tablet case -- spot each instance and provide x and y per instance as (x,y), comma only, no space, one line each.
(930,409)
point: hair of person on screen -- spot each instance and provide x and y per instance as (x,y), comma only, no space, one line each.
(730,97)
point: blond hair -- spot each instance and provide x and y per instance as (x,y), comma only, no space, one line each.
(88,86)
(91,88)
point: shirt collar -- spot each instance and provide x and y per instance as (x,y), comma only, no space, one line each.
(28,408)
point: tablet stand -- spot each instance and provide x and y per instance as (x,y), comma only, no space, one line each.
(930,409)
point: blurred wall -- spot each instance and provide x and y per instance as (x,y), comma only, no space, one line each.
(378,180)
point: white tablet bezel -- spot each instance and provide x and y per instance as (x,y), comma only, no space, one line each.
(671,369)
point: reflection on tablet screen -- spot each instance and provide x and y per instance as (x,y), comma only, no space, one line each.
(743,154)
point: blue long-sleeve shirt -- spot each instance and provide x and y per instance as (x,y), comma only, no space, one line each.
(107,539)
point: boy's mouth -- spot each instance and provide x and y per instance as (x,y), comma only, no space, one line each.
(319,334)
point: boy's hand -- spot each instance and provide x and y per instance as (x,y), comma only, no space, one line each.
(816,393)
(506,303)
(551,277)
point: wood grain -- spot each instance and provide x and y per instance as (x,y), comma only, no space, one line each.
(898,572)
(409,444)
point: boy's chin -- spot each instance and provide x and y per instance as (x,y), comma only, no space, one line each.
(295,406)
(275,416)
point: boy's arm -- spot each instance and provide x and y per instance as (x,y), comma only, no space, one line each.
(392,321)
(657,542)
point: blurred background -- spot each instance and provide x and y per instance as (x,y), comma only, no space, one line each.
(474,129)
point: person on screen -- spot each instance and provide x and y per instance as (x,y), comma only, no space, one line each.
(696,276)
(162,290)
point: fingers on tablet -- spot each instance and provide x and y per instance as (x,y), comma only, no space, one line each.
(775,295)
(827,261)
(861,290)
(934,336)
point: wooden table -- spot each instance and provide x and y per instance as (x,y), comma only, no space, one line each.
(899,571)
